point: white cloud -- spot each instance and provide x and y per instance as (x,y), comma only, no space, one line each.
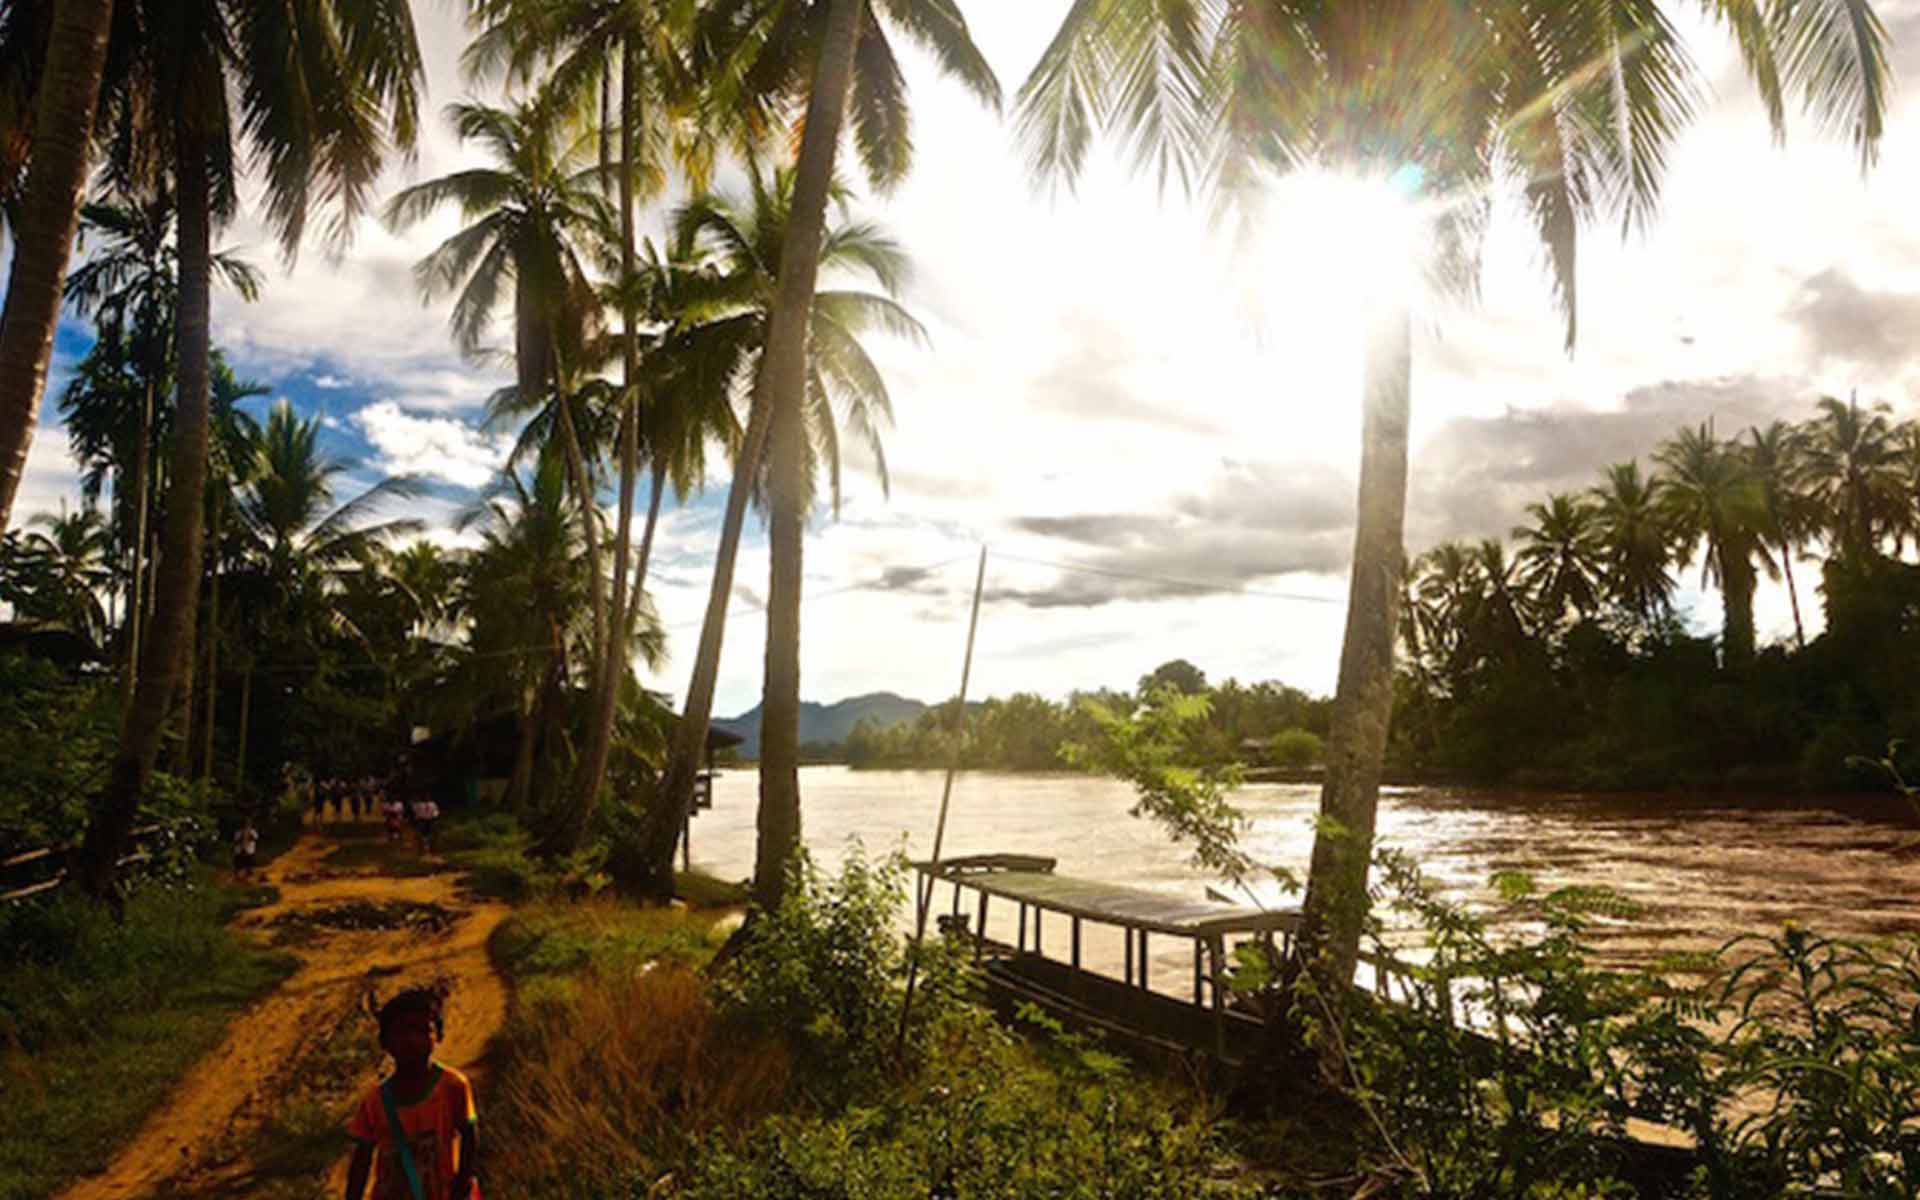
(431,447)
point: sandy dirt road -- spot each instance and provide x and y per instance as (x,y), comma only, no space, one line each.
(202,1140)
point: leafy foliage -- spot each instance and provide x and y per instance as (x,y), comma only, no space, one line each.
(823,969)
(1144,748)
(60,741)
(1514,1064)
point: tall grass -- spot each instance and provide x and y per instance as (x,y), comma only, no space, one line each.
(98,1019)
(619,1075)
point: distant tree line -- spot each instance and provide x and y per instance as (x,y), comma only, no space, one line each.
(1025,732)
(1559,657)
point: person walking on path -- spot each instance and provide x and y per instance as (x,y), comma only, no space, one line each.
(395,814)
(414,1132)
(425,814)
(246,846)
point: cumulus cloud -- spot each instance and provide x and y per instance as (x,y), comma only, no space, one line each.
(1842,320)
(1475,476)
(432,447)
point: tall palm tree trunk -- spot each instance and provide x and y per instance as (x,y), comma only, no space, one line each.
(611,666)
(136,618)
(1336,902)
(520,782)
(213,648)
(245,732)
(786,377)
(665,816)
(589,508)
(177,583)
(646,545)
(1793,596)
(1737,581)
(785,357)
(49,215)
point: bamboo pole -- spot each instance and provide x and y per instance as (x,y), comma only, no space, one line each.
(923,895)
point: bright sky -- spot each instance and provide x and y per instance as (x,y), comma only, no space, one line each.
(1115,384)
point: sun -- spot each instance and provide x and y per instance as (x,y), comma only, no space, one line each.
(1348,240)
(1318,256)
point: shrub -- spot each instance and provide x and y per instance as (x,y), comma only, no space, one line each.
(1296,748)
(1792,1066)
(823,969)
(60,739)
(990,1116)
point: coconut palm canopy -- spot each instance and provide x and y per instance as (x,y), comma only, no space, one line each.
(1116,378)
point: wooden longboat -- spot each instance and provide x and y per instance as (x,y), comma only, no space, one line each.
(1128,1012)
(1206,1034)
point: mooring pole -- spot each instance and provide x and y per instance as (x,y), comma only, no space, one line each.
(923,895)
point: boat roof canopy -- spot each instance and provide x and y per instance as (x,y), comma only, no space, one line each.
(1029,879)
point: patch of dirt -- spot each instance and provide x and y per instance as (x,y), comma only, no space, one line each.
(359,932)
(307,923)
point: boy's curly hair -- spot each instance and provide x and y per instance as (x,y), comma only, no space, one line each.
(431,999)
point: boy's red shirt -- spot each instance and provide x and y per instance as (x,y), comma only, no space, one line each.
(430,1124)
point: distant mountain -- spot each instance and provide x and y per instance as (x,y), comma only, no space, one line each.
(827,722)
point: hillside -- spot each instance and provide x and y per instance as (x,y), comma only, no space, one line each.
(827,722)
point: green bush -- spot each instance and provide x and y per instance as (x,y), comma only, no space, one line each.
(1296,748)
(1792,1066)
(824,969)
(990,1116)
(60,739)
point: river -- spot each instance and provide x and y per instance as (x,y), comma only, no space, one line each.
(1703,869)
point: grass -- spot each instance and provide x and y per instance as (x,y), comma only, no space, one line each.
(614,1060)
(98,1020)
(708,891)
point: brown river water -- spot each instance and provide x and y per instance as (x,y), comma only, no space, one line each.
(1703,869)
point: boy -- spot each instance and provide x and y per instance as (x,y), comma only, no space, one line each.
(427,1104)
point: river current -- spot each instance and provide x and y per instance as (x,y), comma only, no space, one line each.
(1702,869)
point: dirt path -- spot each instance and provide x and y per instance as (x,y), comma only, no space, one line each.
(200,1140)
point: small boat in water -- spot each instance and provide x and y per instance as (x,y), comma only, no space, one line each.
(1128,1012)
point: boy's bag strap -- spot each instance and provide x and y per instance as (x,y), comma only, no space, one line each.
(400,1141)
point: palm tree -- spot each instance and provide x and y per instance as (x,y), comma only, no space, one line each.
(578,41)
(526,616)
(235,436)
(1853,476)
(1448,590)
(1436,103)
(288,527)
(1636,540)
(770,54)
(1775,456)
(72,558)
(294,547)
(1713,501)
(748,241)
(48,211)
(128,285)
(316,95)
(1561,563)
(528,213)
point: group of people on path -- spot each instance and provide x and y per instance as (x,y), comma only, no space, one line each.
(401,805)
